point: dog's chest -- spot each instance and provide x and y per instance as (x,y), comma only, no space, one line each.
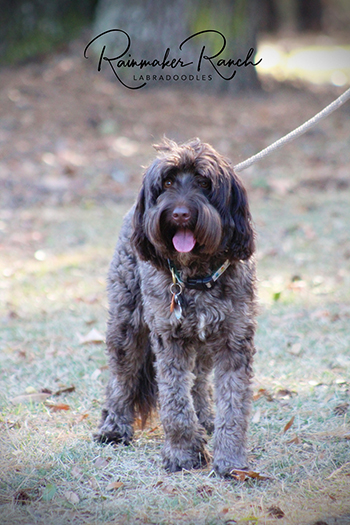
(203,316)
(206,324)
(192,316)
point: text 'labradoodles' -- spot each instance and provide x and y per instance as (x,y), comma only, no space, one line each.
(181,289)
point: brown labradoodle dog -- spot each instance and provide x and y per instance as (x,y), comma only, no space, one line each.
(182,303)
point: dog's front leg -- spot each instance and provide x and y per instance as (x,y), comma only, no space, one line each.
(202,391)
(126,386)
(184,446)
(233,399)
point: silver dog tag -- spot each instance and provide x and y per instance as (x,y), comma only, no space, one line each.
(175,305)
(177,309)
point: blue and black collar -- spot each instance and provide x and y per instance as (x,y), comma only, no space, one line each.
(199,283)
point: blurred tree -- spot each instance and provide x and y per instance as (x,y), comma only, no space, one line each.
(309,15)
(269,16)
(31,27)
(326,16)
(155,25)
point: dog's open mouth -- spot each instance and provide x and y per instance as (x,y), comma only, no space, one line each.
(184,240)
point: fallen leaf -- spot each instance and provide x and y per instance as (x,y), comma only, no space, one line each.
(294,441)
(153,429)
(93,483)
(30,398)
(297,285)
(276,296)
(288,425)
(295,349)
(262,392)
(256,416)
(115,485)
(204,490)
(169,489)
(95,374)
(12,424)
(46,391)
(94,336)
(284,392)
(101,462)
(22,497)
(256,475)
(340,381)
(243,475)
(314,383)
(158,484)
(49,492)
(72,497)
(275,511)
(341,409)
(76,472)
(81,418)
(12,314)
(57,407)
(240,475)
(64,390)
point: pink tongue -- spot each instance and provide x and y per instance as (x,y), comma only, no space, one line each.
(184,241)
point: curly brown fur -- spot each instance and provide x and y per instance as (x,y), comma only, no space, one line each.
(192,210)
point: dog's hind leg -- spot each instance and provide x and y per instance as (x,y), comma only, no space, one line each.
(130,390)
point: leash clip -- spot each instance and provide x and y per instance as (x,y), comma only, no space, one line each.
(176,289)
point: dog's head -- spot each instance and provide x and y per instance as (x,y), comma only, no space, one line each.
(192,202)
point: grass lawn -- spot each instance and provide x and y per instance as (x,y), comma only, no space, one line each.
(53,267)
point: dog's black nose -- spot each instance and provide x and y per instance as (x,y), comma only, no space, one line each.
(181,215)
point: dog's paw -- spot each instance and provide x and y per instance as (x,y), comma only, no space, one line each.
(206,420)
(185,460)
(114,430)
(208,424)
(104,438)
(224,466)
(177,457)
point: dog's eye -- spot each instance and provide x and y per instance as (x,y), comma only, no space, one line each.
(204,183)
(167,183)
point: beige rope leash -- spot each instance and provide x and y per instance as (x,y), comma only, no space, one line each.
(295,133)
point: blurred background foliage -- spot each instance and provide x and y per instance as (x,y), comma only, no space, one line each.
(29,29)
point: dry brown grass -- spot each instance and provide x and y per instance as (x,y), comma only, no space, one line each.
(52,472)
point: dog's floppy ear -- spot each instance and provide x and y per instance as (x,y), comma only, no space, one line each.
(241,244)
(138,238)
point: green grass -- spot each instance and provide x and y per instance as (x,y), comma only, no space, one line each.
(52,471)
